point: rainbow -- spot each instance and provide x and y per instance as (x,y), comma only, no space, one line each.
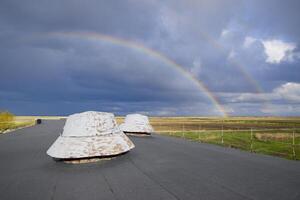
(150,52)
(235,63)
(238,65)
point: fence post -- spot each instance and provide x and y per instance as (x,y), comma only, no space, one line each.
(183,130)
(222,135)
(199,132)
(251,141)
(293,145)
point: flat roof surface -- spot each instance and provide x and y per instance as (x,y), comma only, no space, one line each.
(159,167)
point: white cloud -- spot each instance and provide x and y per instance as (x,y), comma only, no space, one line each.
(231,54)
(278,51)
(249,41)
(169,22)
(225,32)
(289,91)
(196,68)
(289,110)
(283,100)
(286,92)
(253,97)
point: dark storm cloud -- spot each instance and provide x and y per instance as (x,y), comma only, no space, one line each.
(273,18)
(118,17)
(42,73)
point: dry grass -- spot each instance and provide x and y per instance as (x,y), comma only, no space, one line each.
(275,136)
(15,124)
(229,123)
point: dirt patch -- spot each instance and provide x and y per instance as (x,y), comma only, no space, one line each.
(210,137)
(138,134)
(273,136)
(86,160)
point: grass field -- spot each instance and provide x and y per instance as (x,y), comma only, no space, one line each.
(278,136)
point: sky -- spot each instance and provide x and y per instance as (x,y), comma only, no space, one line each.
(155,57)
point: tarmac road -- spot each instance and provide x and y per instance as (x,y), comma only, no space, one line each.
(158,168)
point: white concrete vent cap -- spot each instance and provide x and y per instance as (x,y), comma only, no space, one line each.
(136,123)
(90,134)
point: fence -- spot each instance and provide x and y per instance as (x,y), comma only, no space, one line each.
(283,142)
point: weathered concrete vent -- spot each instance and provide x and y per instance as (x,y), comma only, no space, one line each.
(89,135)
(136,124)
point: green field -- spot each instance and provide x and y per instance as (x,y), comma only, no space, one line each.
(272,143)
(277,136)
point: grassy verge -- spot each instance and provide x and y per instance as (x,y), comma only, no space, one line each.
(270,142)
(16,122)
(5,126)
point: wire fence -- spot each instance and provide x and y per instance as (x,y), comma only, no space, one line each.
(283,142)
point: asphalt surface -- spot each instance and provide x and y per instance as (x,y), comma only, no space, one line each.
(158,168)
